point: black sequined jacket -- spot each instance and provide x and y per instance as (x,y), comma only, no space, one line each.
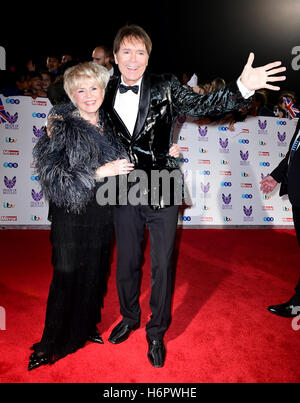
(66,161)
(162,100)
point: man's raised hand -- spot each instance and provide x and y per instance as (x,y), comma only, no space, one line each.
(259,77)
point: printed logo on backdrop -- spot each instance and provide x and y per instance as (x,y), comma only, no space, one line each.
(226,202)
(37,196)
(262,143)
(244,158)
(39,103)
(202,133)
(248,214)
(8,205)
(281,138)
(205,191)
(11,152)
(12,121)
(37,133)
(6,218)
(10,185)
(224,146)
(262,127)
(10,165)
(8,119)
(10,140)
(35,218)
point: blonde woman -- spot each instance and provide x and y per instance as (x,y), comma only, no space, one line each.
(77,150)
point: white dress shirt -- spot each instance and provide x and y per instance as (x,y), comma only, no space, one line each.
(127,106)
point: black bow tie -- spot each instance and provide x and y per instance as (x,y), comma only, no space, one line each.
(124,88)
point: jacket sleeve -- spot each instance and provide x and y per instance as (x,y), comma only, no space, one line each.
(216,103)
(66,164)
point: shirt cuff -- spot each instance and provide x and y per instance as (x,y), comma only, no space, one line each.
(243,90)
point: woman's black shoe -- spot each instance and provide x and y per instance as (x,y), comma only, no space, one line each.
(96,338)
(36,360)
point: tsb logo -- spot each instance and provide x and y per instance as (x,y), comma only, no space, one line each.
(281,123)
(264,164)
(12,101)
(186,218)
(268,219)
(243,141)
(38,115)
(35,178)
(226,184)
(247,196)
(10,165)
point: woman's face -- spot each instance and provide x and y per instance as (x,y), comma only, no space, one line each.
(88,97)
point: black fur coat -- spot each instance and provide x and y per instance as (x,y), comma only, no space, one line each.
(66,161)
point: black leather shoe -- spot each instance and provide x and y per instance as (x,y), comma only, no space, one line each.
(121,333)
(289,309)
(96,338)
(156,352)
(36,360)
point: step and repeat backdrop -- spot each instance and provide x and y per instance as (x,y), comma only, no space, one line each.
(222,168)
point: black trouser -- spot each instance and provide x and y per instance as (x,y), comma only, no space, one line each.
(130,222)
(296,217)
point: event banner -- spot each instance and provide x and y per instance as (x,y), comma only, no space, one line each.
(221,168)
(22,122)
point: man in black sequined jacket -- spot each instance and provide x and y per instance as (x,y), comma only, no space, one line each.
(142,109)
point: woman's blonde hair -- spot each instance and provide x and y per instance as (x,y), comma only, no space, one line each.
(87,70)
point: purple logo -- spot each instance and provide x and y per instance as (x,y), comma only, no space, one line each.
(10,183)
(248,211)
(36,195)
(205,188)
(203,132)
(226,199)
(38,132)
(12,119)
(263,176)
(281,137)
(245,155)
(224,143)
(262,125)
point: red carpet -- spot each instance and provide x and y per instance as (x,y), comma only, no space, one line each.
(221,330)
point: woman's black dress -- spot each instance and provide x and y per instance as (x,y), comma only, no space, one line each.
(80,257)
(81,239)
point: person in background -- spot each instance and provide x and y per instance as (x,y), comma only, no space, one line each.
(47,80)
(52,64)
(66,58)
(35,85)
(102,55)
(281,110)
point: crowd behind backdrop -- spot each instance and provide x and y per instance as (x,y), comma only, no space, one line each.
(222,160)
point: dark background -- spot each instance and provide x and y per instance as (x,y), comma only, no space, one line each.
(212,38)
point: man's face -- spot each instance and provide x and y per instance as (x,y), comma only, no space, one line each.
(52,63)
(132,59)
(99,56)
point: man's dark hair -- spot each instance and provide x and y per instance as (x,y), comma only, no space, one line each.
(133,32)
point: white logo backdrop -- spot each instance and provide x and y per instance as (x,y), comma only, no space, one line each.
(222,169)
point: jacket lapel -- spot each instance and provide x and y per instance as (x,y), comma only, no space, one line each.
(110,97)
(144,105)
